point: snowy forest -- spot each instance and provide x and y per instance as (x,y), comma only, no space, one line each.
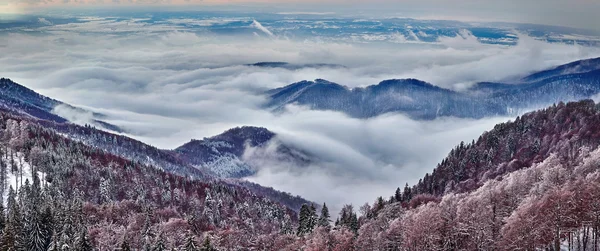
(531,184)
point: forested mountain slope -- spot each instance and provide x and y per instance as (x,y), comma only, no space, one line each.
(529,184)
(22,100)
(60,194)
(223,154)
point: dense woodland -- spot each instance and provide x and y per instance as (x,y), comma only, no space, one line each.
(529,184)
(64,195)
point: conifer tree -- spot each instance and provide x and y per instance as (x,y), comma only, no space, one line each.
(2,217)
(83,243)
(303,220)
(324,217)
(47,225)
(190,243)
(125,245)
(206,246)
(312,218)
(160,245)
(398,195)
(12,237)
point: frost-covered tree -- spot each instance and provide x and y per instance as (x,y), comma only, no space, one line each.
(324,217)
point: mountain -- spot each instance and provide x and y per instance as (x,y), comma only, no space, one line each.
(63,193)
(223,154)
(543,166)
(139,152)
(421,100)
(529,184)
(218,156)
(22,100)
(525,185)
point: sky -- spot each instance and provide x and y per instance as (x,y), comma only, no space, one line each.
(571,13)
(178,78)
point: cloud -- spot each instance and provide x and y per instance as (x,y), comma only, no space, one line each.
(44,21)
(167,83)
(260,27)
(362,158)
(306,13)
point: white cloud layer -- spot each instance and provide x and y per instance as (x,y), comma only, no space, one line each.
(166,85)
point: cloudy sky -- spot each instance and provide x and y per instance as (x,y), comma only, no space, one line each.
(573,13)
(174,79)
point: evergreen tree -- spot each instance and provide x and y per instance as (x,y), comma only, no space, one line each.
(190,244)
(324,217)
(312,218)
(354,223)
(303,220)
(379,204)
(83,243)
(206,246)
(47,225)
(125,245)
(407,195)
(12,237)
(160,245)
(36,233)
(398,195)
(2,217)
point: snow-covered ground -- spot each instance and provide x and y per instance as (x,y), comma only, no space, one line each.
(14,179)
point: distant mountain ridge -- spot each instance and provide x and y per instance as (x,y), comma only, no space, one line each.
(420,100)
(580,66)
(19,99)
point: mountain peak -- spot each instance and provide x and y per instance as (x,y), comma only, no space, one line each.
(222,154)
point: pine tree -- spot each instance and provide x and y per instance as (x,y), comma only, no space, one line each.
(206,246)
(83,243)
(47,225)
(398,195)
(354,223)
(324,217)
(303,219)
(36,235)
(190,244)
(379,204)
(12,237)
(160,245)
(312,218)
(125,245)
(407,194)
(2,217)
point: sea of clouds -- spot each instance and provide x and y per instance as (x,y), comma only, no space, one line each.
(166,84)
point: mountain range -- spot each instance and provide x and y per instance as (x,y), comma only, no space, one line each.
(529,184)
(420,100)
(222,155)
(208,159)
